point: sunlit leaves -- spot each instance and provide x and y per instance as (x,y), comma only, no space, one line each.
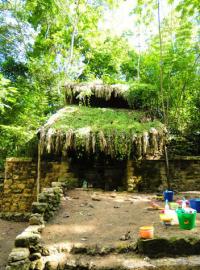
(7,94)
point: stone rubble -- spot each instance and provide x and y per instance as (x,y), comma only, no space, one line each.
(28,251)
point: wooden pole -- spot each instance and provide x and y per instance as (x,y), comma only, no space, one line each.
(162,91)
(167,168)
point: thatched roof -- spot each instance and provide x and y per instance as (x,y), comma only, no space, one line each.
(83,91)
(117,133)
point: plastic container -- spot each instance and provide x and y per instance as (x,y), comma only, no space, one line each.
(146,232)
(174,205)
(166,219)
(184,204)
(180,202)
(168,195)
(166,205)
(195,204)
(187,220)
(169,218)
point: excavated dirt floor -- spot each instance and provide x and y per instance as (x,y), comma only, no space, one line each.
(104,219)
(8,231)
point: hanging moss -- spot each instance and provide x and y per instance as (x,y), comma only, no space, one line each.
(136,95)
(83,91)
(114,132)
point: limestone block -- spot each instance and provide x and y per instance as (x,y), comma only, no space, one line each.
(6,186)
(30,186)
(36,219)
(18,254)
(56,184)
(28,190)
(58,190)
(51,265)
(17,190)
(23,206)
(39,265)
(31,180)
(49,190)
(34,229)
(21,186)
(6,190)
(38,207)
(42,197)
(45,251)
(16,176)
(13,208)
(35,256)
(36,249)
(28,195)
(8,182)
(20,265)
(26,239)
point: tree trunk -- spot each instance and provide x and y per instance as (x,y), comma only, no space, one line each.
(161,64)
(74,33)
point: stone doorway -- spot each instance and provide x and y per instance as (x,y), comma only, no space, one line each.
(103,174)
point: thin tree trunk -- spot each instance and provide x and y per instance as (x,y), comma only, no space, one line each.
(161,64)
(139,54)
(74,32)
(138,67)
(72,45)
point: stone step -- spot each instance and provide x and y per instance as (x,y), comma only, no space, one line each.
(123,262)
(153,248)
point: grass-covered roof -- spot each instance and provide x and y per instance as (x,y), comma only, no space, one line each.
(84,91)
(115,132)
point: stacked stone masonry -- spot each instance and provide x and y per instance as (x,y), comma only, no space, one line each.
(18,190)
(19,185)
(28,251)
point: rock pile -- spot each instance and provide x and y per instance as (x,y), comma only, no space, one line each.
(28,250)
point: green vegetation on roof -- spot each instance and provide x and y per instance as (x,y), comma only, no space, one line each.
(105,119)
(114,132)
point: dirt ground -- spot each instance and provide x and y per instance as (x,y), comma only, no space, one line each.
(88,218)
(8,231)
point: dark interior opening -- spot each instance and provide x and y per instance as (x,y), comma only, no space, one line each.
(113,102)
(108,175)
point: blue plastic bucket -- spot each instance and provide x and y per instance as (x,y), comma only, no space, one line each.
(168,195)
(195,204)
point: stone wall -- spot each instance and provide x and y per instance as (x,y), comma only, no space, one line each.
(18,190)
(19,187)
(54,171)
(184,174)
(148,175)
